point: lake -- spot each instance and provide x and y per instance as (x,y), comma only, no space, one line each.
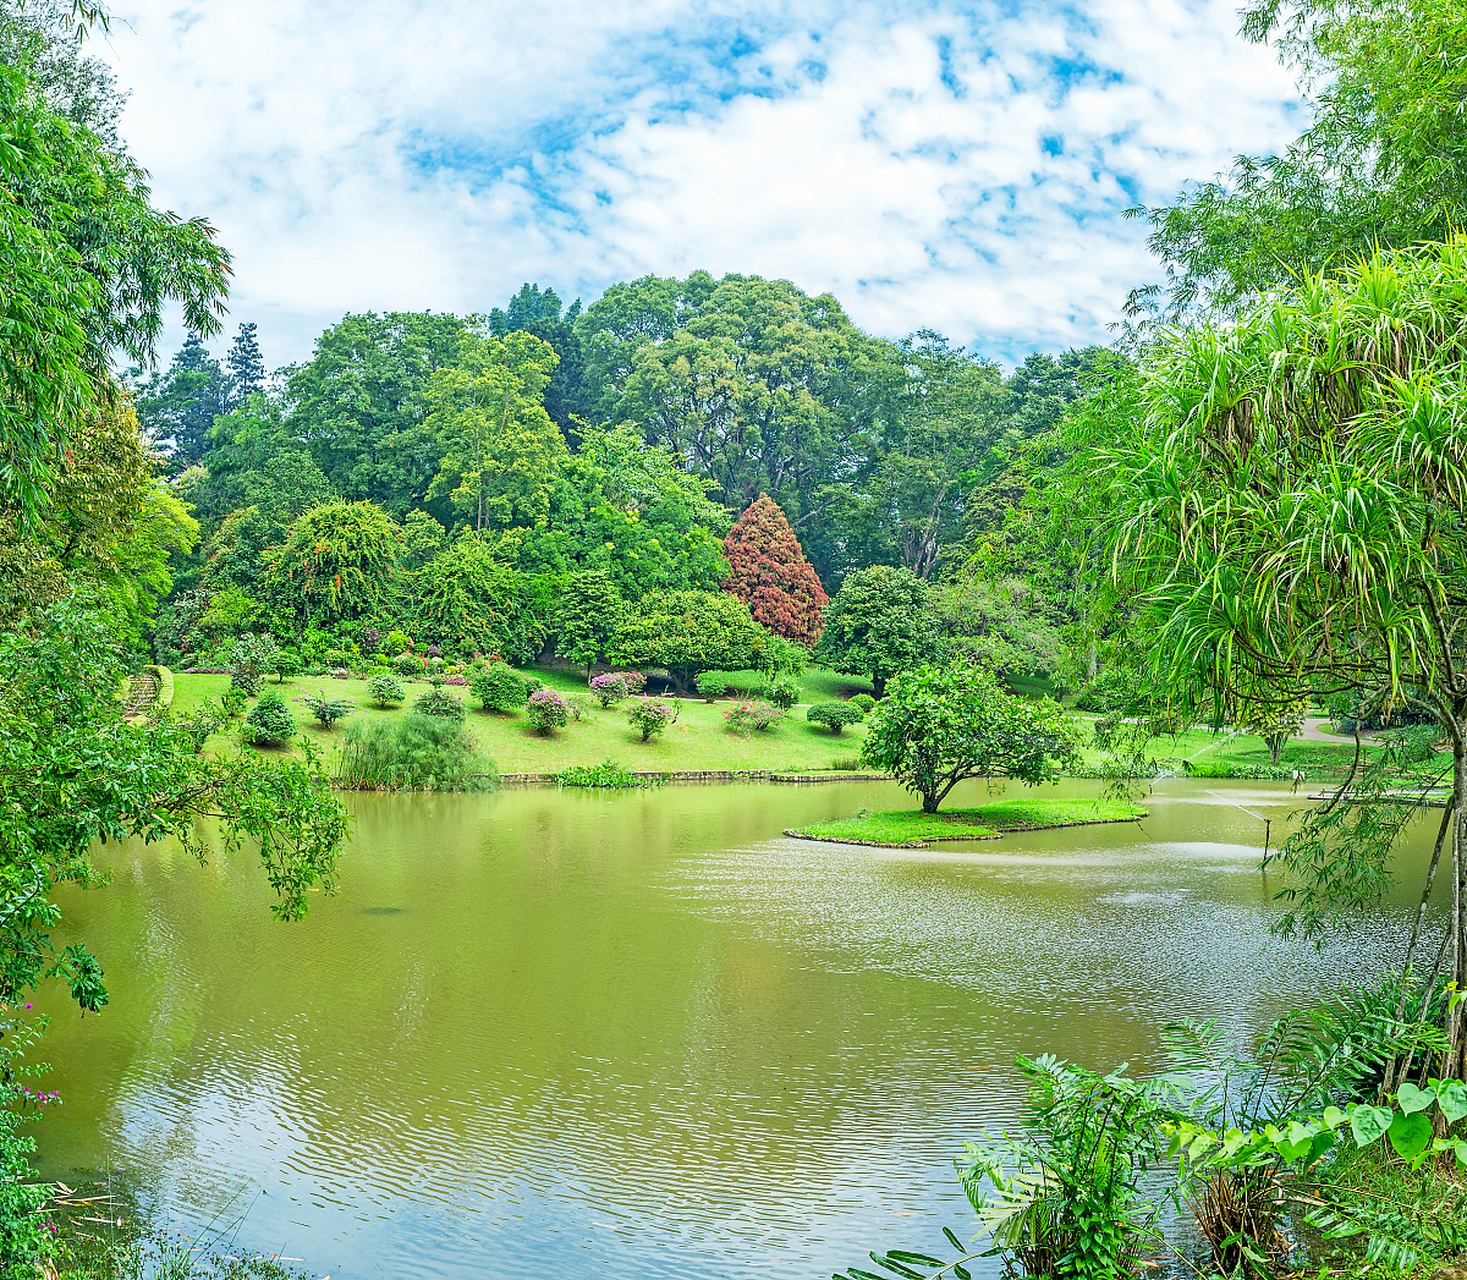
(564,1033)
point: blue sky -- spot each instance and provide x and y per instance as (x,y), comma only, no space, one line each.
(963,167)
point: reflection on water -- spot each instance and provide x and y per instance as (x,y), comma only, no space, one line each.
(549,1032)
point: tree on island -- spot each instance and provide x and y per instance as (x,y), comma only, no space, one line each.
(877,624)
(940,725)
(770,574)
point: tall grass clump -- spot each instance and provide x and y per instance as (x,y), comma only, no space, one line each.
(413,752)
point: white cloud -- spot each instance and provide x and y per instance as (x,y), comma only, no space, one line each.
(391,156)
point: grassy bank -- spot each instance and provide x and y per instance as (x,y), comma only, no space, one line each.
(912,827)
(698,741)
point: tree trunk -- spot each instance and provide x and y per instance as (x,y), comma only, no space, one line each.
(879,684)
(1457,938)
(929,802)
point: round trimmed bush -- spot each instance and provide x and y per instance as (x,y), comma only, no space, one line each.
(865,702)
(712,684)
(386,690)
(499,688)
(835,715)
(269,721)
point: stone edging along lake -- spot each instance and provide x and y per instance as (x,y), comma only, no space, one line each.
(706,775)
(946,839)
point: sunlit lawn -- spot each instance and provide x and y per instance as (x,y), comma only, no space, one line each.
(908,826)
(697,741)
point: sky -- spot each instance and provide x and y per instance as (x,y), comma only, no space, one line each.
(960,167)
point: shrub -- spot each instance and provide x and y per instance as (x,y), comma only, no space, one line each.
(580,705)
(615,687)
(712,684)
(864,701)
(287,663)
(746,718)
(650,716)
(547,711)
(233,700)
(413,752)
(783,691)
(608,774)
(437,702)
(269,721)
(385,690)
(834,714)
(409,665)
(249,657)
(397,642)
(499,688)
(327,711)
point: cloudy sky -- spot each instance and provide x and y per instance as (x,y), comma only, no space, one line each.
(957,166)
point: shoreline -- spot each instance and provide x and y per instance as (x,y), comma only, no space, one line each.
(996,834)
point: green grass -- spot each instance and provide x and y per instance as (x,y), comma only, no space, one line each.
(912,826)
(698,741)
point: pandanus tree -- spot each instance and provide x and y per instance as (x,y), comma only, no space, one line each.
(1290,493)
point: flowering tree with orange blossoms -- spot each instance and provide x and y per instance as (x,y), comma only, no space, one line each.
(771,575)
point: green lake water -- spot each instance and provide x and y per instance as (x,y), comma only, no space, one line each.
(560,1033)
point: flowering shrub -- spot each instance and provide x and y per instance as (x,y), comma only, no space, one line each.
(459,680)
(547,711)
(650,716)
(783,691)
(752,717)
(437,703)
(397,642)
(617,686)
(327,711)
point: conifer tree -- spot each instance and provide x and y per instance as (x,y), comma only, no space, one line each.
(246,366)
(771,575)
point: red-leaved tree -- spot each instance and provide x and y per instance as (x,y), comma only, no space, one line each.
(771,574)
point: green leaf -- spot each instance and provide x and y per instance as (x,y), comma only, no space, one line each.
(917,1259)
(1370,1123)
(956,1243)
(1451,1096)
(891,1265)
(1410,1135)
(1412,1099)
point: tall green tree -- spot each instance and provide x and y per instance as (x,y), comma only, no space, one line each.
(753,384)
(360,405)
(539,313)
(878,624)
(178,408)
(1383,161)
(246,365)
(500,450)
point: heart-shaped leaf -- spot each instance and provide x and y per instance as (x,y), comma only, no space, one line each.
(1410,1135)
(1413,1099)
(1452,1097)
(1369,1123)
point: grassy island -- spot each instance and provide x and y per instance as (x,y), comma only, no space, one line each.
(911,828)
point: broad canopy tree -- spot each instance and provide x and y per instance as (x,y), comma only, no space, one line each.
(940,725)
(877,624)
(1290,492)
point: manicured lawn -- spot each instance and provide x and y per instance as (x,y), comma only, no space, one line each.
(912,826)
(697,741)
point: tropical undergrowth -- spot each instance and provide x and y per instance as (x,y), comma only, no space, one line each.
(1332,1140)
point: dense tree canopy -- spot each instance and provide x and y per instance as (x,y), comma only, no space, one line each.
(878,624)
